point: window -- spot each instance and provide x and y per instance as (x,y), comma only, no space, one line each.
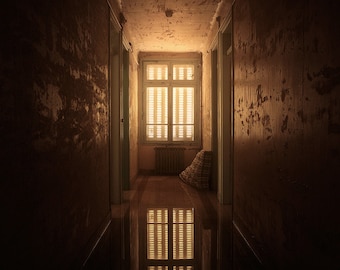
(170,239)
(171,99)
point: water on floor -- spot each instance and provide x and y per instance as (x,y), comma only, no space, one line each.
(164,223)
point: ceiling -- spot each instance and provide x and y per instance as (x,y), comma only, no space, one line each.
(170,25)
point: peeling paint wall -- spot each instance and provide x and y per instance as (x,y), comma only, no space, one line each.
(287,144)
(54,130)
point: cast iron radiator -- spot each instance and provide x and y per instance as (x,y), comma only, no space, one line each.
(169,160)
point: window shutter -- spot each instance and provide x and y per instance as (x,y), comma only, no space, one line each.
(183,113)
(157,113)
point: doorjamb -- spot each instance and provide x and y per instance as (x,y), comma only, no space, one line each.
(225,117)
(115,89)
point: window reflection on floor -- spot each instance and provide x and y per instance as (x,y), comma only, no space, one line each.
(170,238)
(183,233)
(157,234)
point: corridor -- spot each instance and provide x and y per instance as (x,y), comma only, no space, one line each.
(90,89)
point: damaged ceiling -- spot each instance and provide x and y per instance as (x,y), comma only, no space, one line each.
(170,25)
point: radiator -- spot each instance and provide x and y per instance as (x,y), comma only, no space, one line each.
(169,160)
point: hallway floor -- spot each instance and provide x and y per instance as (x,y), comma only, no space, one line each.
(166,224)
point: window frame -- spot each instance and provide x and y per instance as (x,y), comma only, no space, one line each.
(195,60)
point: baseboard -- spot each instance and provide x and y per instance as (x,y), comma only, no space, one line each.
(249,241)
(95,240)
(244,238)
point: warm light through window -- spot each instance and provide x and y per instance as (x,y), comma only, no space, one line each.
(179,97)
(157,113)
(183,72)
(183,113)
(157,72)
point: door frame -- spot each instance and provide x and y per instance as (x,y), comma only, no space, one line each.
(225,112)
(126,115)
(115,108)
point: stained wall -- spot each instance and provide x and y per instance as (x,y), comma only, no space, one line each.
(54,131)
(287,130)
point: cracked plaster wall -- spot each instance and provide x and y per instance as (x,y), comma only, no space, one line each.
(54,129)
(287,136)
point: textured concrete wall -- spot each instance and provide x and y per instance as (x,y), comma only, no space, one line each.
(54,129)
(287,130)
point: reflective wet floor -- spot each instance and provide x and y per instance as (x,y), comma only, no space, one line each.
(167,224)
